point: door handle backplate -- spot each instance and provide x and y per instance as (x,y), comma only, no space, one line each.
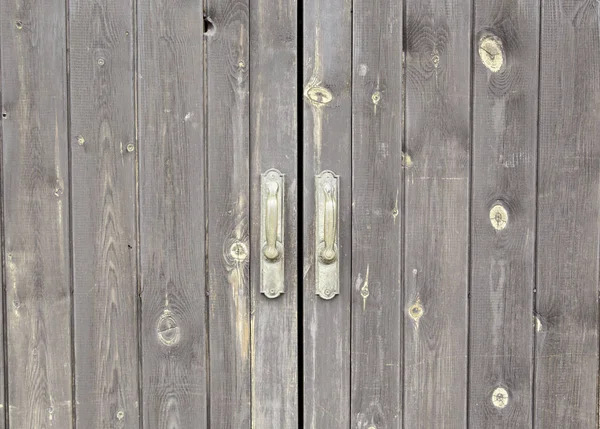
(326,235)
(272,233)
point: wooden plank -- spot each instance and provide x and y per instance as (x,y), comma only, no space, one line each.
(504,177)
(377,193)
(36,213)
(273,144)
(3,404)
(103,213)
(504,159)
(327,35)
(566,348)
(227,54)
(172,218)
(437,213)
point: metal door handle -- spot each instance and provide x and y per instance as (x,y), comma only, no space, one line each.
(271,217)
(329,218)
(272,234)
(327,281)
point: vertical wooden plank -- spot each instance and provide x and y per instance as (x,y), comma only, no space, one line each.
(36,213)
(273,144)
(3,380)
(327,128)
(505,93)
(172,217)
(103,214)
(377,193)
(568,209)
(227,54)
(437,212)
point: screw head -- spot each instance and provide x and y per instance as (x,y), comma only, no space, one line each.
(130,147)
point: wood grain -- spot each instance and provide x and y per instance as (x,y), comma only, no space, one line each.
(436,213)
(274,144)
(227,53)
(103,213)
(566,348)
(172,217)
(3,404)
(377,215)
(327,128)
(35,181)
(504,173)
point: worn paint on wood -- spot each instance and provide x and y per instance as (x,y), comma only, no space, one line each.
(172,218)
(227,59)
(436,218)
(503,214)
(566,347)
(377,215)
(274,144)
(103,214)
(327,146)
(35,180)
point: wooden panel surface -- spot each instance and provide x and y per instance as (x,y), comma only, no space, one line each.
(502,249)
(377,215)
(274,144)
(3,405)
(227,54)
(566,349)
(326,91)
(103,212)
(172,218)
(436,213)
(35,180)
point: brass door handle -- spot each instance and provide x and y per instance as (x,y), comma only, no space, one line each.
(272,234)
(326,235)
(271,219)
(328,252)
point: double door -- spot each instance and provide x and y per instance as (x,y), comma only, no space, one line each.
(299,214)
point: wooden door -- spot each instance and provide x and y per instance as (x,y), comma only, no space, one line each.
(323,214)
(464,135)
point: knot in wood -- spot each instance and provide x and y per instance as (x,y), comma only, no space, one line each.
(238,251)
(491,52)
(500,397)
(416,311)
(167,330)
(498,217)
(376,97)
(319,96)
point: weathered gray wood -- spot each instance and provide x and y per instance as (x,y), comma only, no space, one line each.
(437,213)
(172,218)
(103,214)
(377,193)
(227,53)
(566,349)
(3,405)
(502,254)
(274,144)
(36,213)
(327,128)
